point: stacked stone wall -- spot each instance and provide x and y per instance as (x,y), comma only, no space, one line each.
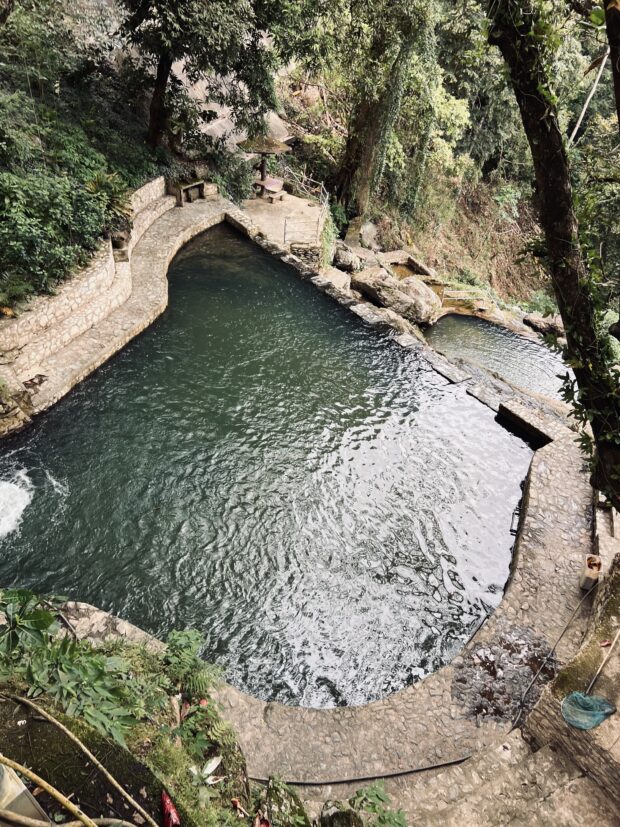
(49,323)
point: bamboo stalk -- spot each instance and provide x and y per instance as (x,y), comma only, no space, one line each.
(88,754)
(60,798)
(590,96)
(24,821)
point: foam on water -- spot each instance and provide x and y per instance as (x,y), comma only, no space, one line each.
(58,487)
(15,495)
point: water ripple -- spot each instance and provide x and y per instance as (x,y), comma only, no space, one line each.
(330,513)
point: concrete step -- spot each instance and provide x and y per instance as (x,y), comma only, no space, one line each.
(148,215)
(580,803)
(516,795)
(426,793)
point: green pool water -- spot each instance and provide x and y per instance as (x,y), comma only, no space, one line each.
(327,510)
(525,362)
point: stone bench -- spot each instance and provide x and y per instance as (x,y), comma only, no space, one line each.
(273,188)
(189,192)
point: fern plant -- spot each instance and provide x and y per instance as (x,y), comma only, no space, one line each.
(113,192)
(184,666)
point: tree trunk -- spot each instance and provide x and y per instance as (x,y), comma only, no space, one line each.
(612,24)
(363,162)
(157,113)
(372,162)
(6,7)
(512,31)
(342,183)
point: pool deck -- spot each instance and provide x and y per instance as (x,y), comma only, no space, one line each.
(468,704)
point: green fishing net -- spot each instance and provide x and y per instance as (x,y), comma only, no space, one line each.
(586,711)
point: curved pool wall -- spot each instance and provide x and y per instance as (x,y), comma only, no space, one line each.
(518,359)
(329,511)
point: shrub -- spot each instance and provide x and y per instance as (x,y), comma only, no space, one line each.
(541,302)
(48,226)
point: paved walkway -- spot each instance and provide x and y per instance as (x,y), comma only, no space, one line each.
(290,221)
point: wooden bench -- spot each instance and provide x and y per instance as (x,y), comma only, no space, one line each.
(273,188)
(185,192)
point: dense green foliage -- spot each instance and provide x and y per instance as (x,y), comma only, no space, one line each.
(127,693)
(214,40)
(88,683)
(70,147)
(73,143)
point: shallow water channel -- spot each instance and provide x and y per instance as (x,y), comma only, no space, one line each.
(523,361)
(329,511)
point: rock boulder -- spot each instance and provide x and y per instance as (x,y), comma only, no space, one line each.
(340,814)
(544,324)
(410,297)
(345,259)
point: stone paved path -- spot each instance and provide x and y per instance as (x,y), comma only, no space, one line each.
(302,218)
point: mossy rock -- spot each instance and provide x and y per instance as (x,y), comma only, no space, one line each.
(340,814)
(282,805)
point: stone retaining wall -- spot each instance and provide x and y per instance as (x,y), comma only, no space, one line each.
(596,751)
(50,322)
(149,192)
(44,312)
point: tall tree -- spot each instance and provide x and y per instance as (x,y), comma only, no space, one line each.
(220,39)
(386,37)
(522,32)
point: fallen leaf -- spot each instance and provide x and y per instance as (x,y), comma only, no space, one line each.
(596,62)
(142,792)
(605,643)
(211,765)
(6,311)
(138,818)
(109,799)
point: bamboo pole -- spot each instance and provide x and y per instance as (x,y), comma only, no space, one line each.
(40,782)
(590,96)
(24,821)
(110,778)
